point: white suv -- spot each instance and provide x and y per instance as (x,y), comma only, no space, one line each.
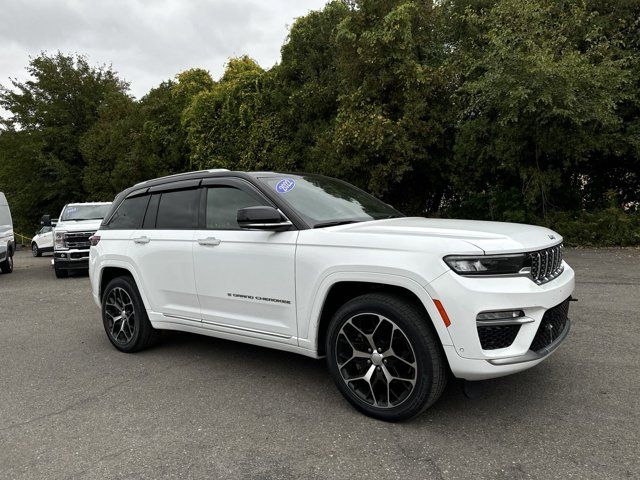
(313,265)
(42,241)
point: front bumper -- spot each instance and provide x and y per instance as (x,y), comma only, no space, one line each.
(464,297)
(71,259)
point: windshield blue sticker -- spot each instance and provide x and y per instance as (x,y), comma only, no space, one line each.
(285,185)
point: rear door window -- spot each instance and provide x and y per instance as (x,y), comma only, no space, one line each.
(152,212)
(178,210)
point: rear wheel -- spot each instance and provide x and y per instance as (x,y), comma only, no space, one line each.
(6,266)
(124,316)
(35,251)
(384,357)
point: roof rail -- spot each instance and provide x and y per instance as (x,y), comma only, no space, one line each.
(212,170)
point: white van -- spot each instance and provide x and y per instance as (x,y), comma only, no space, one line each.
(7,242)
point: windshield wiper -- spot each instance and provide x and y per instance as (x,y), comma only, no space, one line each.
(334,223)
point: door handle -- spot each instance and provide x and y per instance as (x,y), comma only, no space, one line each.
(141,240)
(209,241)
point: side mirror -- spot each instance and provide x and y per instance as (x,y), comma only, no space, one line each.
(45,220)
(262,218)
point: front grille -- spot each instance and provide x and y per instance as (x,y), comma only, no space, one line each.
(77,240)
(497,336)
(553,323)
(546,264)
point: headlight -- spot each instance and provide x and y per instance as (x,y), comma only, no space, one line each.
(59,240)
(488,264)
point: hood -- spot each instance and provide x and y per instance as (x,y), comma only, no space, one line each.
(79,226)
(492,237)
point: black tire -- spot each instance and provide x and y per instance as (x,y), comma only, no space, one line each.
(35,251)
(60,273)
(6,266)
(430,373)
(142,333)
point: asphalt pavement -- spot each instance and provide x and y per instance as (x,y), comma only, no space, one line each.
(71,406)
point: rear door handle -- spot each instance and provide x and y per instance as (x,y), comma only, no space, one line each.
(143,239)
(209,241)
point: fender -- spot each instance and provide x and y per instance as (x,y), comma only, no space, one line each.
(313,320)
(125,265)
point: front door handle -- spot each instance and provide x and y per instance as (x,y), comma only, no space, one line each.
(209,241)
(141,240)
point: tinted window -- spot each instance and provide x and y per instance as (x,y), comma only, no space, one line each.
(130,213)
(152,211)
(223,204)
(178,210)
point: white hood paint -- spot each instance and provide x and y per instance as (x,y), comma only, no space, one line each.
(78,226)
(492,237)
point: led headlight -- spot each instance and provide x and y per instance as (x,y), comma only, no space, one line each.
(59,240)
(488,264)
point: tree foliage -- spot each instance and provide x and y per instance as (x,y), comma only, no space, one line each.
(518,110)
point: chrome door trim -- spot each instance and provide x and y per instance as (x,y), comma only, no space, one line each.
(231,327)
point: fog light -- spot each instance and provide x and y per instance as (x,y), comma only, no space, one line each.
(501,315)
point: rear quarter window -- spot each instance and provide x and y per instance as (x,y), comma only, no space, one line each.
(130,213)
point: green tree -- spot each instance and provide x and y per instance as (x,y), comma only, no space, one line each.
(542,91)
(53,109)
(233,125)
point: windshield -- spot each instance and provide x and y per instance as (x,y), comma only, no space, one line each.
(324,201)
(84,212)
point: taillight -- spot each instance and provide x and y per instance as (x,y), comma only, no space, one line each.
(94,239)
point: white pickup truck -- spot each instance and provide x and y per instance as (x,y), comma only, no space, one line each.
(78,222)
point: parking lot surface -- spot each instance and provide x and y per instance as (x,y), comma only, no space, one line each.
(71,406)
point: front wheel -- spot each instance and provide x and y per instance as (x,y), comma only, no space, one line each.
(124,316)
(384,357)
(35,251)
(60,273)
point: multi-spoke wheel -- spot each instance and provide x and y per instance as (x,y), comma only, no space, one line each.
(385,357)
(120,314)
(376,360)
(124,317)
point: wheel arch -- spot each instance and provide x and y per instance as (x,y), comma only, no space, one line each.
(340,291)
(111,271)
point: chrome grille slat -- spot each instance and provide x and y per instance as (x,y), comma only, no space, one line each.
(77,240)
(546,264)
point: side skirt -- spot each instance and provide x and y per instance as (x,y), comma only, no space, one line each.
(162,322)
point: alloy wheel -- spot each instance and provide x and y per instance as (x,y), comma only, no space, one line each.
(376,360)
(120,313)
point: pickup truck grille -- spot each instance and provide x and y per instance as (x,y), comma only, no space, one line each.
(78,240)
(546,264)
